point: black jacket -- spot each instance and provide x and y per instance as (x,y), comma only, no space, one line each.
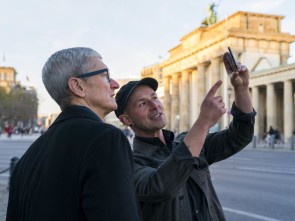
(79,169)
(172,185)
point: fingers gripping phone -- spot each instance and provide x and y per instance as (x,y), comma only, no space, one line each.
(232,61)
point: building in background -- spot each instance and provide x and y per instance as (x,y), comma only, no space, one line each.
(8,78)
(196,64)
(19,104)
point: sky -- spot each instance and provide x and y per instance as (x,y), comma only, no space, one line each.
(129,34)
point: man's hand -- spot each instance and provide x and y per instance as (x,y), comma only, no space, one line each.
(212,110)
(240,82)
(212,107)
(240,78)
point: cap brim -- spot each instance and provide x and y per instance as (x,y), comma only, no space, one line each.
(151,82)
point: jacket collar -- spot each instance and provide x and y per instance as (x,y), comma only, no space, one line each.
(148,145)
(76,111)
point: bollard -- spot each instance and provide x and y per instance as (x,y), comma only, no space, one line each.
(254,141)
(13,162)
(292,142)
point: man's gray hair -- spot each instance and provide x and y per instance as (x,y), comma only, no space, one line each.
(61,66)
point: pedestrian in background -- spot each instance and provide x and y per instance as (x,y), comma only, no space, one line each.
(270,137)
(172,177)
(80,168)
(8,130)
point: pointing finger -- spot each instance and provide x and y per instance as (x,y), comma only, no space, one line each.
(214,88)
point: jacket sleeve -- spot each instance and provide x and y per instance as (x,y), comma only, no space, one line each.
(158,180)
(106,183)
(223,144)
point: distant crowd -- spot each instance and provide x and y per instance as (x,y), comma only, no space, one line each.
(10,130)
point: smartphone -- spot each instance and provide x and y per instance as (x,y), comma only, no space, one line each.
(232,60)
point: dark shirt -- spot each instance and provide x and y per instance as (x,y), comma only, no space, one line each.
(197,200)
(173,185)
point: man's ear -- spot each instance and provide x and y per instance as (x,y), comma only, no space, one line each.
(76,87)
(124,118)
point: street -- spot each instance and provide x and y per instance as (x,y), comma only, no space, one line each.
(9,148)
(253,185)
(257,185)
(12,147)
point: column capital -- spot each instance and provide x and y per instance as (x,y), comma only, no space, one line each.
(187,71)
(216,59)
(175,75)
(167,77)
(202,65)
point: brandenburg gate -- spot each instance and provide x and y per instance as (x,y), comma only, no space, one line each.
(196,64)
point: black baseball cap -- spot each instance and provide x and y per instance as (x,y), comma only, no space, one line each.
(126,90)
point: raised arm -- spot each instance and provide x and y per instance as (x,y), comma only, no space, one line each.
(211,111)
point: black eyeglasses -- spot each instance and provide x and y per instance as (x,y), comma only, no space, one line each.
(89,74)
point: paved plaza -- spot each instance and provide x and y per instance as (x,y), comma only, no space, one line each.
(16,145)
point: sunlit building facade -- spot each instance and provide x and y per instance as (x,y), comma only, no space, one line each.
(196,64)
(7,78)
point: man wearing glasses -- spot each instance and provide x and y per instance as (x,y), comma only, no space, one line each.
(80,168)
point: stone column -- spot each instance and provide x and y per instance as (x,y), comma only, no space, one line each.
(215,72)
(215,76)
(201,79)
(288,109)
(271,105)
(167,101)
(175,103)
(194,108)
(184,102)
(255,99)
(229,100)
(228,97)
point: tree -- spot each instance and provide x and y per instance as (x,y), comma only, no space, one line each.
(19,107)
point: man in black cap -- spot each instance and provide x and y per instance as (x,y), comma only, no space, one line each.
(171,176)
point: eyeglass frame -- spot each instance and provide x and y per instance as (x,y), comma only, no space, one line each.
(90,74)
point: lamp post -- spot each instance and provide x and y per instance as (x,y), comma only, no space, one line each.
(229,94)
